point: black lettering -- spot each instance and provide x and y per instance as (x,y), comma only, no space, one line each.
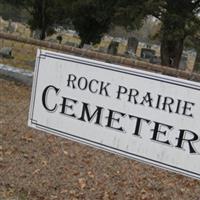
(158,101)
(133,95)
(71,80)
(178,106)
(168,101)
(147,98)
(157,131)
(121,90)
(44,97)
(82,83)
(86,115)
(111,119)
(91,84)
(187,107)
(103,88)
(138,125)
(65,106)
(182,139)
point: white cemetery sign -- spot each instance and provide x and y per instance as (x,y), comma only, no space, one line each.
(145,116)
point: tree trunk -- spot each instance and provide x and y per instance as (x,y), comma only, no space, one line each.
(82,44)
(43,22)
(197,62)
(171,52)
(43,33)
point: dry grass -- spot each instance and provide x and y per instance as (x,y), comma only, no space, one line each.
(39,166)
(24,54)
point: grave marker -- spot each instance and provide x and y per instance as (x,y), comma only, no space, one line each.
(6,52)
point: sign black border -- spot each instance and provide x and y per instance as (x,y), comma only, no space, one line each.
(111,67)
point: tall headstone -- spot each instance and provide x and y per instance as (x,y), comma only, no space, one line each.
(9,28)
(113,47)
(197,62)
(132,45)
(1,23)
(183,62)
(36,34)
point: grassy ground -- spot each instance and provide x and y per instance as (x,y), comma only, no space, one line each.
(24,54)
(39,166)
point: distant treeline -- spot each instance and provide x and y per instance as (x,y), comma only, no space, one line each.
(17,14)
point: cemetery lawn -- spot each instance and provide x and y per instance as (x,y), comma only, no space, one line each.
(39,166)
(24,54)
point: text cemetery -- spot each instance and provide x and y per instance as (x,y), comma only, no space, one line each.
(115,119)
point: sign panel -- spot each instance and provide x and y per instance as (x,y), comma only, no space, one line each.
(145,116)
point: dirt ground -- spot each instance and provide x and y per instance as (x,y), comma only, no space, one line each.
(38,166)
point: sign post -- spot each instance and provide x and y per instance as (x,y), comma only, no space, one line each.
(145,116)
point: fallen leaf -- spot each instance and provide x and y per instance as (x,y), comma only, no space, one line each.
(82,183)
(90,174)
(36,171)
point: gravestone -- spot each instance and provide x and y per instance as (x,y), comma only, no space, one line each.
(197,63)
(37,34)
(12,27)
(9,28)
(147,53)
(6,52)
(183,62)
(113,47)
(87,46)
(132,45)
(1,24)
